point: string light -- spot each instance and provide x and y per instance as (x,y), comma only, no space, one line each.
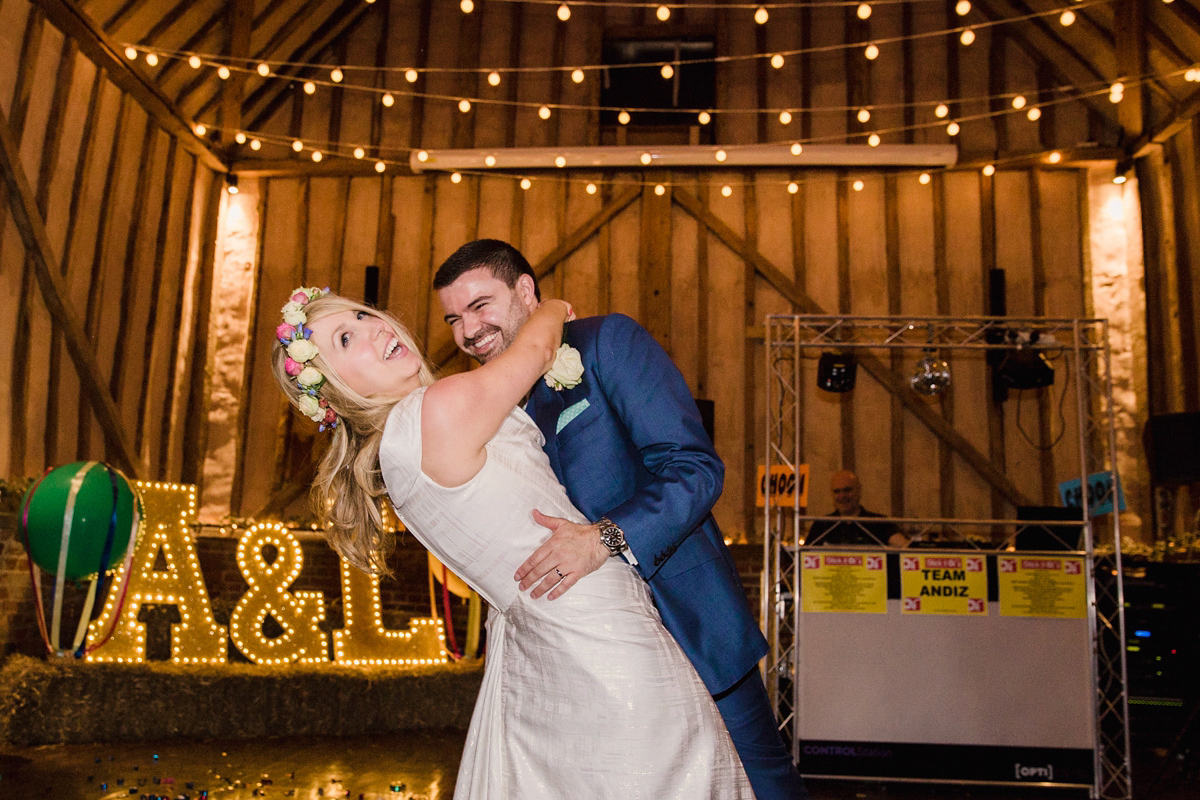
(777,61)
(864,115)
(623,117)
(194,62)
(663,13)
(873,140)
(380,166)
(297,145)
(309,87)
(316,155)
(660,190)
(953,128)
(704,118)
(793,187)
(131,53)
(564,12)
(721,155)
(1018,102)
(967,37)
(864,10)
(494,78)
(726,190)
(526,183)
(1054,157)
(797,148)
(490,161)
(410,75)
(941,111)
(255,144)
(1034,114)
(591,188)
(858,186)
(264,70)
(1067,19)
(761,16)
(456,177)
(560,161)
(239,137)
(924,178)
(577,75)
(152,59)
(989,170)
(359,152)
(422,156)
(223,72)
(464,105)
(200,129)
(467,6)
(667,71)
(544,112)
(872,52)
(645,158)
(962,7)
(785,117)
(388,100)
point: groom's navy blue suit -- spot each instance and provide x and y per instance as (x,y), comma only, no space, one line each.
(628,444)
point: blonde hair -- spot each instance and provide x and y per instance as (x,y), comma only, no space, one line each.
(348,492)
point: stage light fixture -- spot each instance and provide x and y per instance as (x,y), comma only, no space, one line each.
(836,372)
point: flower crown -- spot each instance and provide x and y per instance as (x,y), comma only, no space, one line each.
(297,341)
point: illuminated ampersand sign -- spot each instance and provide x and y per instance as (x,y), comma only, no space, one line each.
(297,613)
(170,510)
(364,639)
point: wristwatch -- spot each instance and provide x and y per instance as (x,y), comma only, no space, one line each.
(611,536)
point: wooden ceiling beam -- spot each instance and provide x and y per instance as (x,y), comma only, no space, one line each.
(102,52)
(893,383)
(1161,133)
(265,100)
(22,204)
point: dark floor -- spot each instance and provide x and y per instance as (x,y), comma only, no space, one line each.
(392,767)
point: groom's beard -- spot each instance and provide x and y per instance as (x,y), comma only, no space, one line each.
(500,340)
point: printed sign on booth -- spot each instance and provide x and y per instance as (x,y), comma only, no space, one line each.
(1036,586)
(943,584)
(843,581)
(788,486)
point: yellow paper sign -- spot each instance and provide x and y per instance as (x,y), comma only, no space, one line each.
(943,584)
(788,486)
(843,581)
(1037,586)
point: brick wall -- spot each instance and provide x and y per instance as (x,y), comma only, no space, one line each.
(404,595)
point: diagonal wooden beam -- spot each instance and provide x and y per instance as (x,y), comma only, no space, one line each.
(573,241)
(23,205)
(895,384)
(1168,128)
(102,52)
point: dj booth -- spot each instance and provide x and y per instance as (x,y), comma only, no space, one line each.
(987,651)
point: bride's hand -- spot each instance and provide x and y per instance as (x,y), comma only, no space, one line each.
(571,552)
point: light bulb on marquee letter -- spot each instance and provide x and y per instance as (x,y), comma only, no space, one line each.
(170,509)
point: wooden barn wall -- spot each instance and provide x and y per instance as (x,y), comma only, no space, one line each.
(125,211)
(1169,180)
(894,247)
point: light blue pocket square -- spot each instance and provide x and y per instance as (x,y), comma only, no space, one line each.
(569,414)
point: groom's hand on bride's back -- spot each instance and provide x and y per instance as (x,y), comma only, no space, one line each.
(572,551)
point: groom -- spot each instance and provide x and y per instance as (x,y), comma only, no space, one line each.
(628,444)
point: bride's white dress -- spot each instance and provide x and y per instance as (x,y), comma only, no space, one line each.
(586,696)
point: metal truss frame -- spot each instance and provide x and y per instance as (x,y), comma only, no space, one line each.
(1084,342)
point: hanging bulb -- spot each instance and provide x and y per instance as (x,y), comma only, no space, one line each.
(564,12)
(785,117)
(200,129)
(761,16)
(455,177)
(387,100)
(464,105)
(591,188)
(623,117)
(560,161)
(239,137)
(380,166)
(663,13)
(490,160)
(953,129)
(667,71)
(967,37)
(962,7)
(316,155)
(645,158)
(297,145)
(1054,157)
(864,10)
(152,59)
(872,52)
(223,72)
(526,183)
(264,69)
(1034,114)
(777,61)
(864,115)
(873,140)
(989,170)
(194,62)
(131,53)
(704,118)
(410,75)
(255,144)
(726,190)
(494,78)
(660,190)
(422,156)
(577,76)
(941,111)
(924,179)
(1067,19)
(467,6)
(309,87)
(335,75)
(793,187)
(858,186)
(544,112)
(720,155)
(359,152)
(797,148)
(1018,102)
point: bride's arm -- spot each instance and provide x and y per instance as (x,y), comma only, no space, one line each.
(461,413)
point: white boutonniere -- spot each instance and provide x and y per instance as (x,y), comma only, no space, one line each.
(567,371)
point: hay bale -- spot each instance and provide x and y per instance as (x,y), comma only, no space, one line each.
(53,702)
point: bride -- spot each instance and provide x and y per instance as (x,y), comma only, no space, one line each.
(586,696)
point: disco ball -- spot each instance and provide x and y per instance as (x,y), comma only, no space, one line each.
(931,376)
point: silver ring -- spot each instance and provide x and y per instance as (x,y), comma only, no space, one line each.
(560,575)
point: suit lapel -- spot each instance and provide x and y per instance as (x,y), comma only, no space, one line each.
(544,406)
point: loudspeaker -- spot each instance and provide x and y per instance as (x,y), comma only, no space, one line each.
(1172,443)
(371,286)
(836,372)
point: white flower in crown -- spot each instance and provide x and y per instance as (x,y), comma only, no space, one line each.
(310,376)
(302,350)
(310,407)
(567,371)
(293,313)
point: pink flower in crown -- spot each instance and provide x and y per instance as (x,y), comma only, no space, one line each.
(292,368)
(300,297)
(284,331)
(330,416)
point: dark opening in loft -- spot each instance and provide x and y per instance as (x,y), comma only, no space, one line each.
(637,81)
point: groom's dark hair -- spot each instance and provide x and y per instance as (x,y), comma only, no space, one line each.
(504,261)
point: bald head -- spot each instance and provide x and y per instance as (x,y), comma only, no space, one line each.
(847,492)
